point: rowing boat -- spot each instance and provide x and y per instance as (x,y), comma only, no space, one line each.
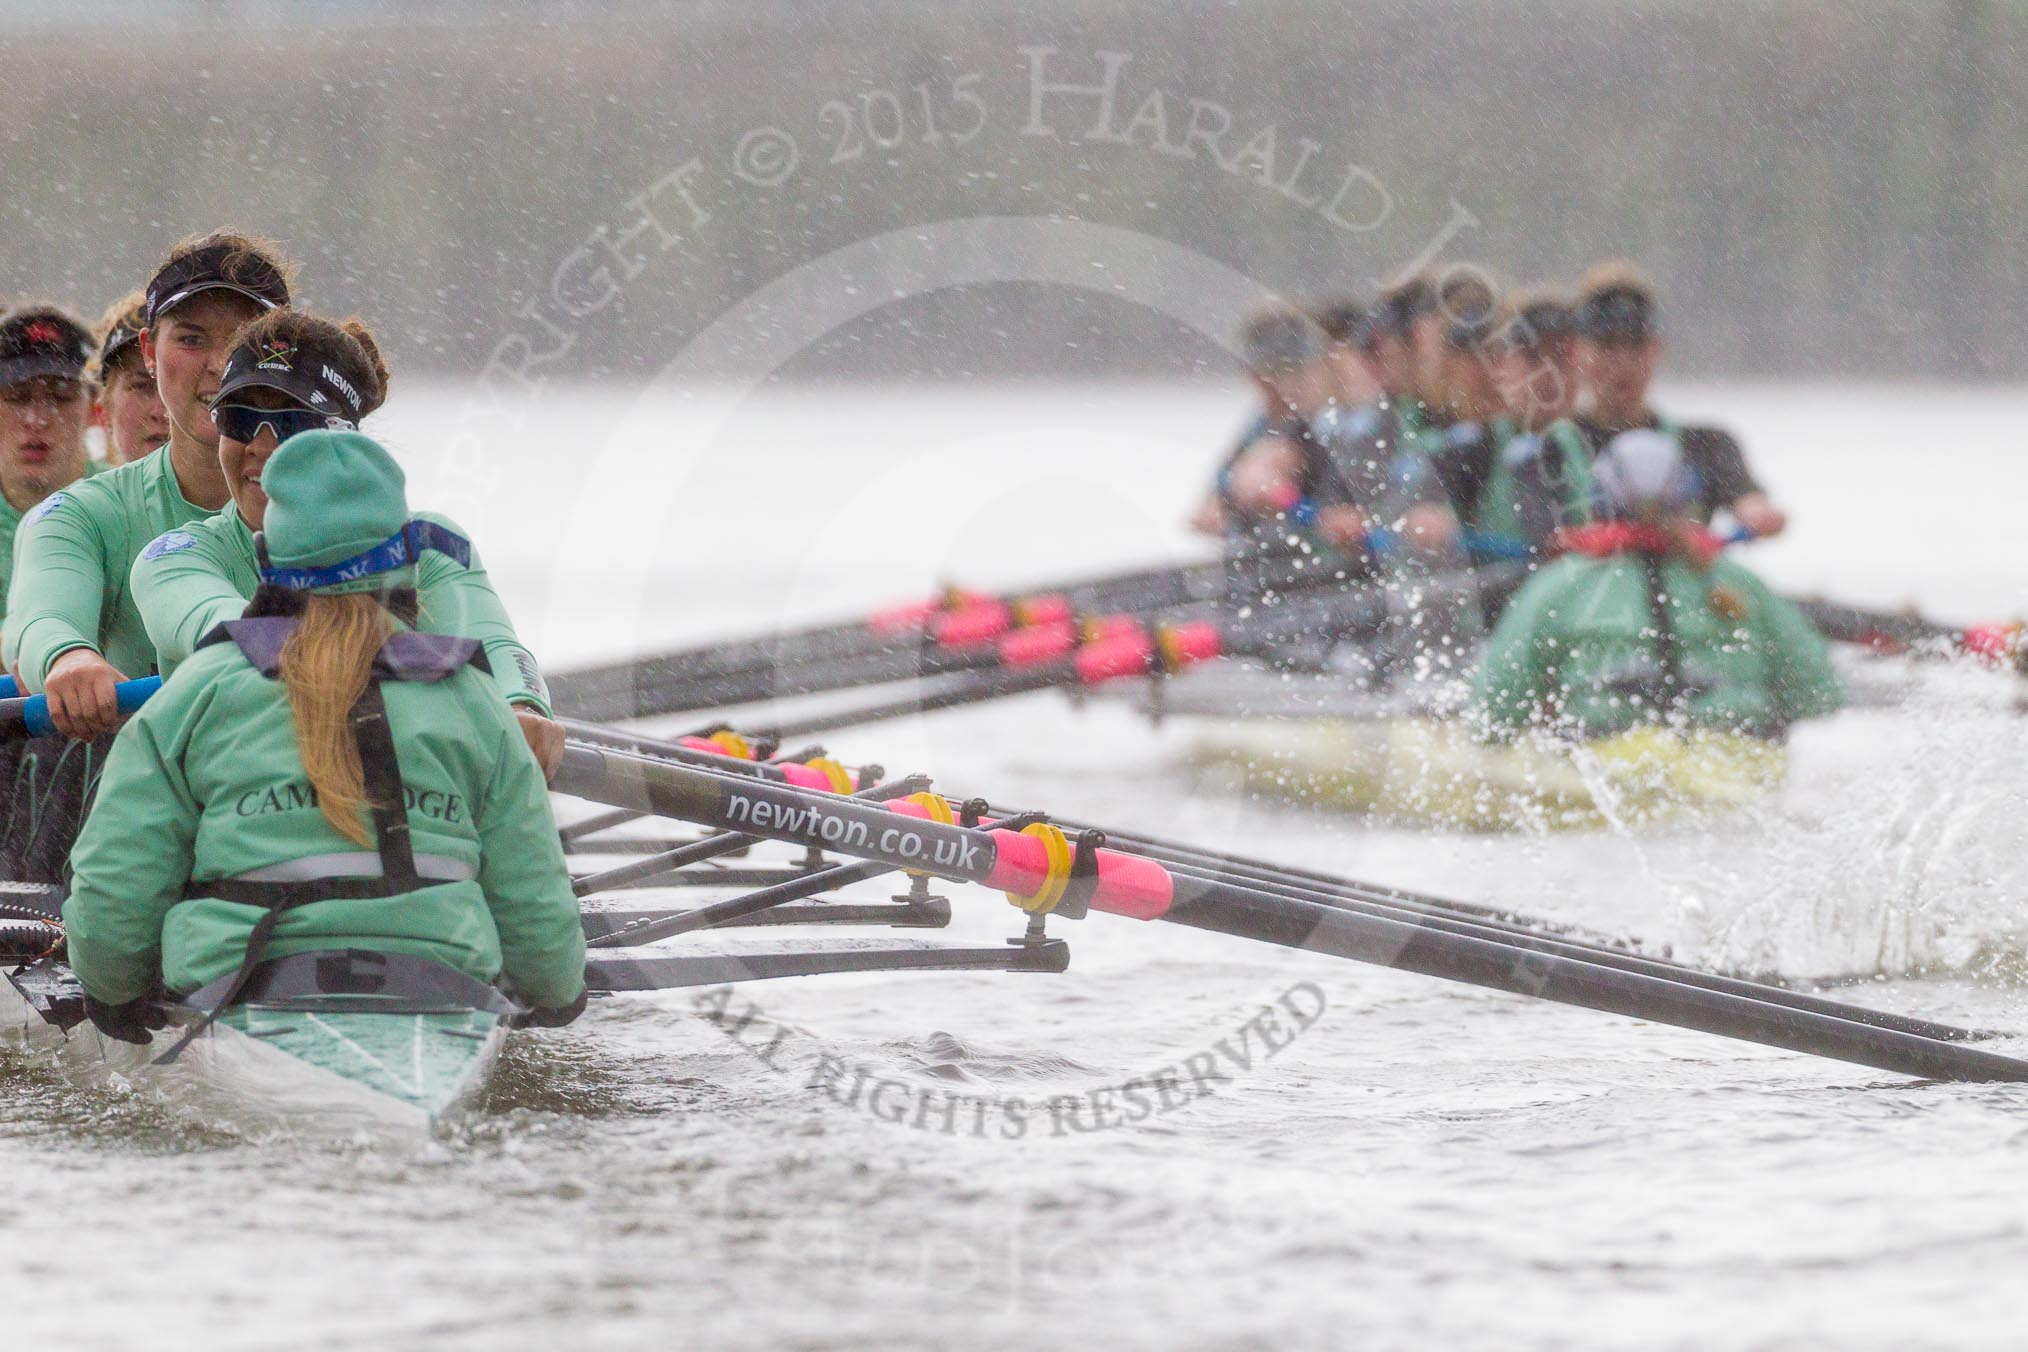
(342,1042)
(1434,773)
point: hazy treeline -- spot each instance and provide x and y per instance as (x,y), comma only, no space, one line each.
(1819,187)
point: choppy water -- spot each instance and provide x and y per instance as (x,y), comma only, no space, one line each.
(1421,1164)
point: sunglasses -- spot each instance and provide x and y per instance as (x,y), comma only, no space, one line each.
(242,424)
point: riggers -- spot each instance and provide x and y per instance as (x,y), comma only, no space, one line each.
(1581,647)
(190,580)
(207,784)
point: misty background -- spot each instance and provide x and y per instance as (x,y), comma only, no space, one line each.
(1820,189)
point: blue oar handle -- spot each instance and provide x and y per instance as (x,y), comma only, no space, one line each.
(31,715)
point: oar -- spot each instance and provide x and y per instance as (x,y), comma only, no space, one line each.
(1129,652)
(958,650)
(1134,653)
(1999,643)
(28,716)
(646,686)
(714,846)
(979,636)
(1025,865)
(884,631)
(1600,954)
(1267,628)
(1189,861)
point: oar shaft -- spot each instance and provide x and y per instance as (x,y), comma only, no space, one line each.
(975,688)
(712,846)
(1444,912)
(1412,947)
(899,834)
(626,689)
(1602,955)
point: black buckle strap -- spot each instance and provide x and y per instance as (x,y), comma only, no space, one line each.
(381,773)
(211,1001)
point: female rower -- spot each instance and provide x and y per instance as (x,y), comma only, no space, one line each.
(73,629)
(128,407)
(321,776)
(1641,622)
(289,371)
(44,401)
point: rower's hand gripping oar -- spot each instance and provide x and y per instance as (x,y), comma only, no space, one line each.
(29,716)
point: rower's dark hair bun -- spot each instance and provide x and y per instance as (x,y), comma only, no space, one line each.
(375,388)
(349,346)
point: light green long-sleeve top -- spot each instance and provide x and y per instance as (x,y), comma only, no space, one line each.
(72,554)
(10,526)
(193,578)
(206,782)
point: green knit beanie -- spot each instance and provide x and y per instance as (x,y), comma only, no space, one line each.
(336,502)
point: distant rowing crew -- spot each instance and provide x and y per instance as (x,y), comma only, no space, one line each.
(1445,406)
(1448,424)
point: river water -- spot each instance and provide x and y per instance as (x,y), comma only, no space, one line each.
(1405,1163)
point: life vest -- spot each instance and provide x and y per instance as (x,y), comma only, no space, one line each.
(1667,687)
(1562,461)
(405,656)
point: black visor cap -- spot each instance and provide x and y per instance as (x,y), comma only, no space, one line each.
(305,376)
(207,269)
(41,344)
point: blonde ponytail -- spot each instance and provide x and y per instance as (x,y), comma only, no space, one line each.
(324,668)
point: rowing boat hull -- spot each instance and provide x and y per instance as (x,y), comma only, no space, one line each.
(1433,773)
(321,1072)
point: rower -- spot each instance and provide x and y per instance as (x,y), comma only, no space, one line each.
(1535,358)
(1459,385)
(289,372)
(128,408)
(321,776)
(45,401)
(1619,345)
(1641,622)
(1349,330)
(1407,344)
(75,631)
(1382,455)
(1277,464)
(1531,474)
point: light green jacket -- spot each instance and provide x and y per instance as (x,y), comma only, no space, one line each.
(189,580)
(73,553)
(206,782)
(1580,635)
